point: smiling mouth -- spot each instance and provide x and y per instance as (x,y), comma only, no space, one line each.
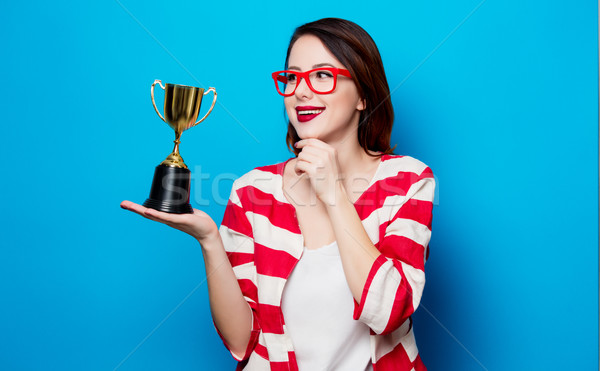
(310,112)
(306,114)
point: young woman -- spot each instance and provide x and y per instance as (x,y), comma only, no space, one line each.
(319,261)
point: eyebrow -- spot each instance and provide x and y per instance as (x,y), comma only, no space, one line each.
(314,66)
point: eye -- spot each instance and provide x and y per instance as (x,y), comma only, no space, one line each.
(324,75)
(291,78)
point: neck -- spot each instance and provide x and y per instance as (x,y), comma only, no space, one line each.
(356,167)
(352,158)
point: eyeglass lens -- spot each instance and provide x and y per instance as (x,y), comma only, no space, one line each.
(322,81)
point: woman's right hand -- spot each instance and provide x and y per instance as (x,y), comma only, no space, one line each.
(198,224)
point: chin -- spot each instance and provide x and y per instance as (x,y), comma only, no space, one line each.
(308,134)
(308,131)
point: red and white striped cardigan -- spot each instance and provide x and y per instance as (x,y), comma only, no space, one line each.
(263,240)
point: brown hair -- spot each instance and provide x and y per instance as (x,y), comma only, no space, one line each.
(357,51)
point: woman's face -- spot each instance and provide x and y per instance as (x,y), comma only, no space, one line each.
(329,117)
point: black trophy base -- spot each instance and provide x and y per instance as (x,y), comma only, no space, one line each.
(170,190)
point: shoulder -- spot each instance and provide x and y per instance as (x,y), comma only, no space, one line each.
(398,179)
(263,183)
(393,166)
(260,175)
(402,175)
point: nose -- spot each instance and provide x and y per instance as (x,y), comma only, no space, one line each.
(302,90)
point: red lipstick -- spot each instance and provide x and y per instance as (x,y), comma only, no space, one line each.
(307,113)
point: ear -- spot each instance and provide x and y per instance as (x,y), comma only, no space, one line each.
(361,105)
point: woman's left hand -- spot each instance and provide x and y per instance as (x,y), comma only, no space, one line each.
(318,160)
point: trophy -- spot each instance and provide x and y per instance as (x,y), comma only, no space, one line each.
(170,190)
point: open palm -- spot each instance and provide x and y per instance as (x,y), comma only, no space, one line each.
(198,224)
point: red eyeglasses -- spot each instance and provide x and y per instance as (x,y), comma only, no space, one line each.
(320,80)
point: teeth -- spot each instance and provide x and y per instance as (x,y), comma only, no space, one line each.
(310,112)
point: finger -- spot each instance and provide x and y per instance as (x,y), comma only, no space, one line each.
(303,167)
(132,206)
(297,170)
(311,142)
(318,148)
(317,151)
(147,213)
(170,219)
(125,204)
(313,158)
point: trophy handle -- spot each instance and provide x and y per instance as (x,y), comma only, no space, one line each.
(211,106)
(152,95)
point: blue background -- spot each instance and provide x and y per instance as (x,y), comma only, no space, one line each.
(500,98)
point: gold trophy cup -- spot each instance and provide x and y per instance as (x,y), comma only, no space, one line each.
(170,190)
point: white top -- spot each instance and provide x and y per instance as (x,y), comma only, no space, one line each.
(317,308)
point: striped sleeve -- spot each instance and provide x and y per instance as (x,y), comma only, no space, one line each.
(396,280)
(237,236)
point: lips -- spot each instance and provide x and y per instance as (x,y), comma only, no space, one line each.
(307,113)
